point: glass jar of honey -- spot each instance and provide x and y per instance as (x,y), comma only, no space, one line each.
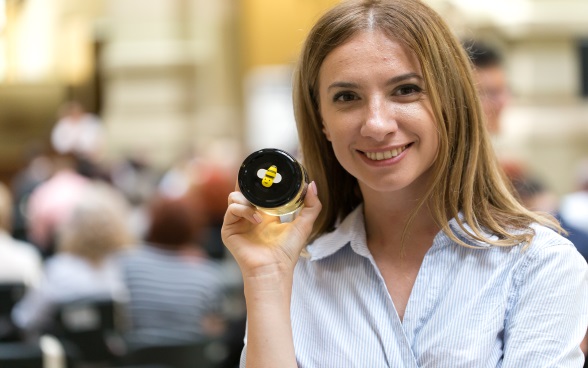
(274,182)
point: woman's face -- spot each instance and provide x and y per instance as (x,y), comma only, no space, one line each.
(376,113)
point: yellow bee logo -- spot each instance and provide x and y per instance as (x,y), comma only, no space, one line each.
(269,176)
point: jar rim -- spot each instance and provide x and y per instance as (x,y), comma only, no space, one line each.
(292,178)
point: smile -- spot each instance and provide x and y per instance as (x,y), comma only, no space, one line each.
(384,155)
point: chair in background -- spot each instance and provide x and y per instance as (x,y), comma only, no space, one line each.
(89,331)
(20,355)
(206,354)
(46,352)
(10,294)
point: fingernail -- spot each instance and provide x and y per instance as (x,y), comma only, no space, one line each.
(257,218)
(313,187)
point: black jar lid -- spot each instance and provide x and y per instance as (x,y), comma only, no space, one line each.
(282,189)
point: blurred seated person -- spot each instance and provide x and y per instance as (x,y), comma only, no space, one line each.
(35,170)
(19,261)
(78,132)
(135,177)
(85,264)
(211,192)
(52,201)
(574,206)
(175,291)
(537,197)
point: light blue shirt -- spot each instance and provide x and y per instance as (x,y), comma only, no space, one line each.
(469,307)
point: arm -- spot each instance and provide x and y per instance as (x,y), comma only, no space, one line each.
(267,251)
(32,313)
(547,318)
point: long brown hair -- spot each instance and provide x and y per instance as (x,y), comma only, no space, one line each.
(467,178)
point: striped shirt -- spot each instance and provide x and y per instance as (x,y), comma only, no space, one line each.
(169,295)
(469,307)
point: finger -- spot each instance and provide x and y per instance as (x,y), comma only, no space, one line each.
(236,212)
(238,197)
(312,208)
(239,208)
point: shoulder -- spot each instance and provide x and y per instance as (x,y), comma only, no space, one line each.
(65,264)
(547,240)
(129,253)
(551,256)
(23,249)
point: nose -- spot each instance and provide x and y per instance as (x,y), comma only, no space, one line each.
(380,120)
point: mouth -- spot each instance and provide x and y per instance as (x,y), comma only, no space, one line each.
(385,155)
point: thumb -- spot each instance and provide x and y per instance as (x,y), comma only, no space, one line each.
(310,211)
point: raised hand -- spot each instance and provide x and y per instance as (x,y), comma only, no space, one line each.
(259,241)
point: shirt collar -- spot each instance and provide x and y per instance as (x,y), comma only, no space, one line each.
(462,233)
(352,231)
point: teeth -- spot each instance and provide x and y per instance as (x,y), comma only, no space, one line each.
(377,156)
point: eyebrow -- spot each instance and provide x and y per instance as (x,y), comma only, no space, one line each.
(393,80)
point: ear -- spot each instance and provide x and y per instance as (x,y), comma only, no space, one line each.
(326,132)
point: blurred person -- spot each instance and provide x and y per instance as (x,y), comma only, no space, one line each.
(78,132)
(182,175)
(135,177)
(81,134)
(217,178)
(84,265)
(491,82)
(51,202)
(36,170)
(574,206)
(19,261)
(536,196)
(175,291)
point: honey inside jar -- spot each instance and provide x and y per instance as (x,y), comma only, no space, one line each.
(273,181)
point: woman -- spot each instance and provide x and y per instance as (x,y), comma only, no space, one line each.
(420,256)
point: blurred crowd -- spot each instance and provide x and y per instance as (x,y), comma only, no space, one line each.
(73,227)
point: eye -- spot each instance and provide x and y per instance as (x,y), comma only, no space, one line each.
(407,90)
(344,97)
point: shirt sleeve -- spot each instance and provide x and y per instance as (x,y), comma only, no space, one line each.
(548,309)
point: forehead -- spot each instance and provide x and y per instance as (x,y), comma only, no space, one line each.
(490,76)
(367,50)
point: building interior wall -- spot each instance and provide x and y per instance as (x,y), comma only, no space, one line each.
(168,76)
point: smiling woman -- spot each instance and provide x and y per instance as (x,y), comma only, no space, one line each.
(418,253)
(374,106)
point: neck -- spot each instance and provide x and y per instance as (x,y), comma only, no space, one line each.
(386,220)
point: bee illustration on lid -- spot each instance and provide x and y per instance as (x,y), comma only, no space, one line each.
(269,177)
